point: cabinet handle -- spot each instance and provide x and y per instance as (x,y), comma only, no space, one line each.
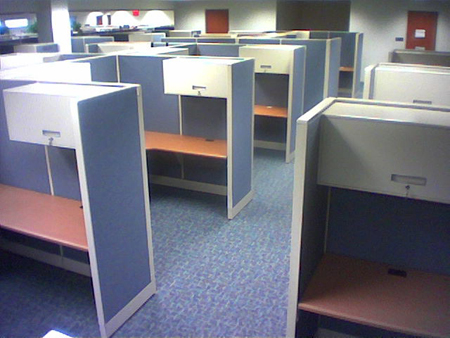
(198,87)
(405,179)
(422,102)
(266,66)
(51,133)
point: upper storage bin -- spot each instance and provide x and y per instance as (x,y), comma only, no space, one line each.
(274,59)
(210,77)
(386,148)
(45,113)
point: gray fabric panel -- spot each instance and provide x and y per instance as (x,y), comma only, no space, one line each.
(216,40)
(393,230)
(64,172)
(104,69)
(52,48)
(22,164)
(77,45)
(204,117)
(421,57)
(243,82)
(319,34)
(315,69)
(333,78)
(174,39)
(160,110)
(254,41)
(92,48)
(298,91)
(63,57)
(114,177)
(347,47)
(271,89)
(231,50)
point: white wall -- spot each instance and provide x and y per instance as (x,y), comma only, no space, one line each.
(243,15)
(382,21)
(84,5)
(152,18)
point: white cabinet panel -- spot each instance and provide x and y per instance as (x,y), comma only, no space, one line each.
(412,87)
(270,59)
(401,159)
(42,113)
(197,77)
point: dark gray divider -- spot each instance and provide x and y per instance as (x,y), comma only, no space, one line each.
(256,41)
(112,156)
(348,44)
(216,40)
(64,172)
(204,117)
(161,111)
(79,42)
(242,126)
(178,40)
(315,69)
(227,50)
(419,240)
(22,165)
(319,34)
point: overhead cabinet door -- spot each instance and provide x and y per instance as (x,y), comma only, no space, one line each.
(197,77)
(270,60)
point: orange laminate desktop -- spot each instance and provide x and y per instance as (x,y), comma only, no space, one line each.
(185,144)
(271,111)
(51,218)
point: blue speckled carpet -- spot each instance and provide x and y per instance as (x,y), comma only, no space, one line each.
(215,277)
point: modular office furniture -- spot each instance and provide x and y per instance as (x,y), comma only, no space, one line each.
(74,187)
(48,47)
(351,59)
(423,57)
(408,83)
(370,236)
(79,42)
(198,121)
(216,109)
(279,91)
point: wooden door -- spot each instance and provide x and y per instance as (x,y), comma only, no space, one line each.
(216,20)
(421,31)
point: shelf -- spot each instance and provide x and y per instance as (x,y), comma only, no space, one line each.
(347,69)
(185,144)
(271,111)
(363,292)
(51,218)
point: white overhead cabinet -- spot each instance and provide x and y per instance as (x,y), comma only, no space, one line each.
(279,94)
(408,83)
(74,183)
(370,219)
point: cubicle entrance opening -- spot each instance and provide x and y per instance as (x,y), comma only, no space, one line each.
(421,31)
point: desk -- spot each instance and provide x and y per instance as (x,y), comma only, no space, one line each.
(271,111)
(188,145)
(55,219)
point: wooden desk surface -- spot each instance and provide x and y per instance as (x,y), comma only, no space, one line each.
(54,219)
(363,292)
(271,111)
(346,69)
(185,144)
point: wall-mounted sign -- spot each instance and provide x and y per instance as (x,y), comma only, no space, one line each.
(419,34)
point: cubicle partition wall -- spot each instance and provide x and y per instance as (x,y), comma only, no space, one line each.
(279,94)
(322,68)
(103,68)
(79,42)
(199,129)
(423,57)
(73,173)
(370,235)
(44,47)
(408,83)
